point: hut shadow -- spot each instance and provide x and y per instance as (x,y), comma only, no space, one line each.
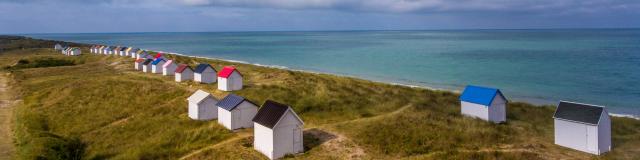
(315,137)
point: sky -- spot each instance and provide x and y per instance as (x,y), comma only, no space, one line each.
(97,16)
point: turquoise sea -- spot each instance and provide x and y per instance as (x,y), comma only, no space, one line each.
(597,66)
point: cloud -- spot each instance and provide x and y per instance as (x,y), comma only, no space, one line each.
(404,6)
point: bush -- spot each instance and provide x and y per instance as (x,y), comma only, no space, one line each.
(40,63)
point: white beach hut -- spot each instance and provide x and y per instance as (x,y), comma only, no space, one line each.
(100,50)
(106,50)
(204,73)
(75,51)
(229,79)
(146,65)
(202,106)
(485,103)
(156,65)
(137,64)
(169,68)
(235,112)
(57,46)
(123,51)
(132,53)
(582,127)
(183,73)
(277,130)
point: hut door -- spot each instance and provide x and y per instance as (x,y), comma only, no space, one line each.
(297,139)
(592,138)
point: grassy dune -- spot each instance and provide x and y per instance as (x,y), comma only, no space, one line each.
(100,108)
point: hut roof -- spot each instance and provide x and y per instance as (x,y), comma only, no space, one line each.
(182,67)
(198,96)
(140,60)
(147,61)
(158,60)
(583,113)
(269,114)
(167,63)
(231,101)
(203,66)
(226,72)
(480,95)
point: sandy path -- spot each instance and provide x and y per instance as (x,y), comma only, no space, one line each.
(6,119)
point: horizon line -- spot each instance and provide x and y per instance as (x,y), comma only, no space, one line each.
(337,30)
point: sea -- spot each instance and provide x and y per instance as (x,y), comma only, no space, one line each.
(545,66)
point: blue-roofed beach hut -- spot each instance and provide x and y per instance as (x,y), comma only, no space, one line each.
(156,65)
(485,103)
(235,112)
(204,73)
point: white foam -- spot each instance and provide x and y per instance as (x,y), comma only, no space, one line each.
(624,115)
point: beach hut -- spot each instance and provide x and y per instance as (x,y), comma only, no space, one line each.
(106,50)
(582,127)
(91,48)
(132,52)
(116,51)
(75,51)
(229,79)
(204,73)
(183,73)
(127,51)
(137,54)
(146,65)
(58,46)
(137,64)
(169,68)
(122,51)
(64,50)
(235,112)
(100,49)
(485,103)
(202,106)
(156,65)
(277,130)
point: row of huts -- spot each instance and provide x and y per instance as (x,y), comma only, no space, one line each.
(69,51)
(579,126)
(278,129)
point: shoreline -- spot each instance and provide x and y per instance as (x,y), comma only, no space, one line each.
(532,101)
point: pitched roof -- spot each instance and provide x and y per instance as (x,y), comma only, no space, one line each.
(167,63)
(584,113)
(226,71)
(182,67)
(203,66)
(480,95)
(198,96)
(231,101)
(269,114)
(147,61)
(140,60)
(158,60)
(158,55)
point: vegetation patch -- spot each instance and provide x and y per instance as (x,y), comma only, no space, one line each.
(41,62)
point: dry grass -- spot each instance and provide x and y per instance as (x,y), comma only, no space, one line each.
(108,111)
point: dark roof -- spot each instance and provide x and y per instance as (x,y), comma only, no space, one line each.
(231,101)
(182,67)
(158,60)
(480,95)
(123,48)
(269,114)
(584,113)
(201,67)
(146,62)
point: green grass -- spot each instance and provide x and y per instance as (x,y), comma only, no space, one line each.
(100,108)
